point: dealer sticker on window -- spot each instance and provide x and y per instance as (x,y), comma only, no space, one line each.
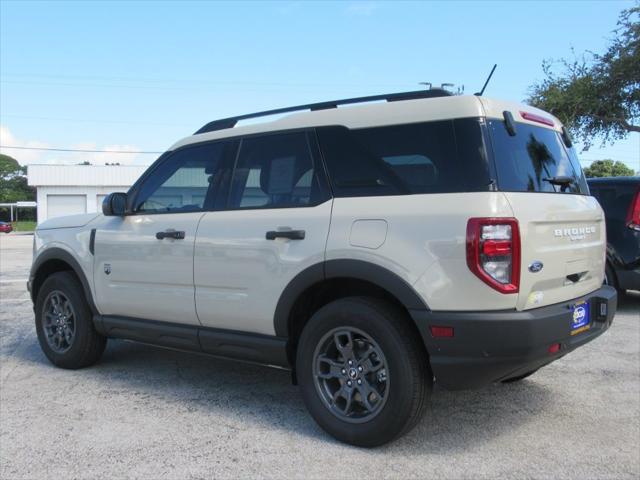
(580,318)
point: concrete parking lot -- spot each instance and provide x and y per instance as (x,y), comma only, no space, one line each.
(150,413)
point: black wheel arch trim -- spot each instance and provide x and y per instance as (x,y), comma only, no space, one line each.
(344,268)
(56,253)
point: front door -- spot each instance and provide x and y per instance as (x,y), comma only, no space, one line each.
(144,260)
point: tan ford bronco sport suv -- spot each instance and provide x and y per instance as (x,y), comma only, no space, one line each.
(372,249)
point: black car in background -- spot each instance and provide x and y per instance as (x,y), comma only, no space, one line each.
(620,200)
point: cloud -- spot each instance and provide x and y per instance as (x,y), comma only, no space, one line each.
(24,157)
(362,9)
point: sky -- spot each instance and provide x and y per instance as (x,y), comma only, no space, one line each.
(137,76)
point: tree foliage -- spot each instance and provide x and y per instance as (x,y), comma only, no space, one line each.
(597,95)
(13,181)
(607,168)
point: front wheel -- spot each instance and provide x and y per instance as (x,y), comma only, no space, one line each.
(363,371)
(64,323)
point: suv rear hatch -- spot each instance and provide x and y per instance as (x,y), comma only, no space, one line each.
(562,228)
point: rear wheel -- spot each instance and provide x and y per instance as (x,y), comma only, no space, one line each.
(363,373)
(64,323)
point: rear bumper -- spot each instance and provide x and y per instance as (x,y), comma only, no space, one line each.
(493,346)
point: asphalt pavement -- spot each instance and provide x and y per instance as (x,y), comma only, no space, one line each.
(146,412)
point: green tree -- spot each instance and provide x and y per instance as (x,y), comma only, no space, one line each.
(13,181)
(597,95)
(607,168)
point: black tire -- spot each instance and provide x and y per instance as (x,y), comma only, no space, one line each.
(610,277)
(409,376)
(520,377)
(87,345)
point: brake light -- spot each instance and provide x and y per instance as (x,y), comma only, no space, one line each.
(554,348)
(633,215)
(532,117)
(493,252)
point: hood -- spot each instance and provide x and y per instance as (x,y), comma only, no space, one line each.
(68,221)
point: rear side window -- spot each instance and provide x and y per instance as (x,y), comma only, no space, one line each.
(433,157)
(530,160)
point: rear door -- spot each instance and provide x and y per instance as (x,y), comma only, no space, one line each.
(561,227)
(274,226)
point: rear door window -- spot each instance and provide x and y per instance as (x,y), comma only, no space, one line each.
(275,171)
(528,161)
(432,157)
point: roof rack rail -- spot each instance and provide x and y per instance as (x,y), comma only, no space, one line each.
(389,97)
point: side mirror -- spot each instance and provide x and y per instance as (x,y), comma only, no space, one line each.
(115,204)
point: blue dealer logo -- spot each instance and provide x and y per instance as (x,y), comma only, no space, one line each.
(578,315)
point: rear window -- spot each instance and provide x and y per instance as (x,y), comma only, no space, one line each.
(530,160)
(433,157)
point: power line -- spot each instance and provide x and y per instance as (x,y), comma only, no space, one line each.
(86,120)
(79,150)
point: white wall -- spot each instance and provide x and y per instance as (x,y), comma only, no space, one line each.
(90,192)
(83,175)
(89,180)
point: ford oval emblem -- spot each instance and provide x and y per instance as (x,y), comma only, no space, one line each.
(535,266)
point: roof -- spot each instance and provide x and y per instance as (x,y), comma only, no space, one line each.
(84,175)
(381,114)
(615,180)
(231,122)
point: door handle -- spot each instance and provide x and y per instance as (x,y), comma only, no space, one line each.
(170,234)
(290,234)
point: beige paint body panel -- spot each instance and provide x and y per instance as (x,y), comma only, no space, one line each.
(230,276)
(368,233)
(539,216)
(149,278)
(425,244)
(73,240)
(240,275)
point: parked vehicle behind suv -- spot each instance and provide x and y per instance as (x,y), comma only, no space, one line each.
(6,227)
(620,200)
(370,249)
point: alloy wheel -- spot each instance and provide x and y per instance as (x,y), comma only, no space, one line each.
(59,321)
(351,374)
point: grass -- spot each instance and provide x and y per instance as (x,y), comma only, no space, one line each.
(24,226)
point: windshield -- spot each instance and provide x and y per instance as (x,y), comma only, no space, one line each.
(535,160)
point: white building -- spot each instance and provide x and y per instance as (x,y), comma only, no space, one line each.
(69,189)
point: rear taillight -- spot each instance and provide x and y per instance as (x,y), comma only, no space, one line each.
(493,252)
(633,215)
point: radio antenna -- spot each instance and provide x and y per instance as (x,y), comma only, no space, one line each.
(479,94)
